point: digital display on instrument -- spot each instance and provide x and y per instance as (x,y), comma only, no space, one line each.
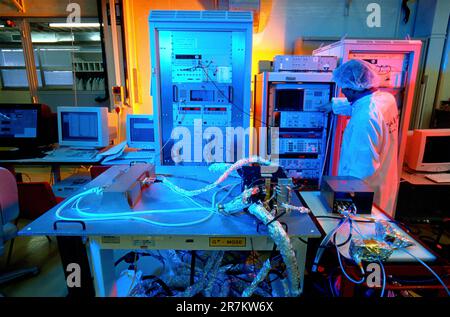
(18,123)
(188,56)
(289,99)
(437,149)
(202,95)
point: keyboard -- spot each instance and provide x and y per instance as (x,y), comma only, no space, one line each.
(72,154)
(439,178)
(137,155)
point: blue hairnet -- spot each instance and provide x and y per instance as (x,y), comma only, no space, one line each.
(356,74)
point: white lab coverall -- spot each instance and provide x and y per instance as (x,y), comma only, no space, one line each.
(370,145)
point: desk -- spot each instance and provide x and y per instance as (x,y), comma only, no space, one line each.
(55,164)
(399,264)
(422,200)
(318,208)
(105,236)
(120,161)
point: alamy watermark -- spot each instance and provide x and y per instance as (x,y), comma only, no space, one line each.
(373,278)
(75,13)
(374,18)
(221,144)
(73,278)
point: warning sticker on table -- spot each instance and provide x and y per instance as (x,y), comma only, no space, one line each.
(227,242)
(111,239)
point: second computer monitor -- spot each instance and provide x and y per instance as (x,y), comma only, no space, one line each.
(141,131)
(83,127)
(19,122)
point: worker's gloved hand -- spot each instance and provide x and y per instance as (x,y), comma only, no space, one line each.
(327,108)
(341,106)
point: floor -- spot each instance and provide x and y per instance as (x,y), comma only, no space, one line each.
(34,251)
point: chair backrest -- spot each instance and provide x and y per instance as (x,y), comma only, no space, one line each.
(35,198)
(9,201)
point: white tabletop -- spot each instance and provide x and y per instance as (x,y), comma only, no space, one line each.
(318,208)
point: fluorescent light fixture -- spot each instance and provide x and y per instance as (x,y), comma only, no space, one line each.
(51,37)
(74,25)
(60,49)
(43,38)
(11,50)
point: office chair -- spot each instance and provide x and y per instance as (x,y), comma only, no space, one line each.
(9,211)
(35,199)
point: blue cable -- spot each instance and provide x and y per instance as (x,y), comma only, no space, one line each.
(330,282)
(343,269)
(384,278)
(323,244)
(429,269)
(358,230)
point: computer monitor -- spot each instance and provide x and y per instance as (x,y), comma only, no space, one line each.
(84,127)
(428,150)
(20,124)
(141,132)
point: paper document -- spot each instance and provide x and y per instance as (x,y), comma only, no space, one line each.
(113,152)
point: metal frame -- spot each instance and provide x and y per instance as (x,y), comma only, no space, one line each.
(20,5)
(105,236)
(261,112)
(198,21)
(102,263)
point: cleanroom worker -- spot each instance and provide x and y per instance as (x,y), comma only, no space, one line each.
(370,142)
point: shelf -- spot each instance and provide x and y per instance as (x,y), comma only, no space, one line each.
(87,66)
(88,71)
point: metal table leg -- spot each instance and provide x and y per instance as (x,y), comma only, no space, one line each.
(300,253)
(102,266)
(73,250)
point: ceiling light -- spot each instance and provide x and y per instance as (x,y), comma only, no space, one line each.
(74,25)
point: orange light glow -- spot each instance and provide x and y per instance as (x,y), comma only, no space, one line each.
(267,42)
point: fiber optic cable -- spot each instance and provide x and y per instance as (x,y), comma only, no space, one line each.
(89,216)
(223,177)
